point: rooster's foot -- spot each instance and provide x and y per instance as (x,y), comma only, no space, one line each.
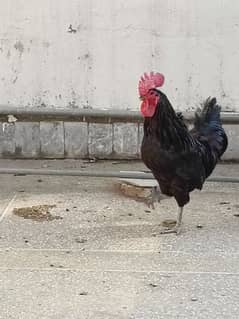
(177,228)
(154,197)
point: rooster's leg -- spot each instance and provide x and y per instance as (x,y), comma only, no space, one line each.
(177,227)
(154,197)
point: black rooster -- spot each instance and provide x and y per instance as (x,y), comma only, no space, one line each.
(179,159)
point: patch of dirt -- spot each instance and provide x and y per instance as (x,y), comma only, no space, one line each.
(39,213)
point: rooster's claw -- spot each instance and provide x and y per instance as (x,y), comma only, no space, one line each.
(154,197)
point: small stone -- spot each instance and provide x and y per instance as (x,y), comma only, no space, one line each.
(92,160)
(199,226)
(83,293)
(224,203)
(153,285)
(236,215)
(130,214)
(67,210)
(194,299)
(147,211)
(81,240)
(11,118)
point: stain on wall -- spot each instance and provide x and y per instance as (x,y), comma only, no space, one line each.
(19,47)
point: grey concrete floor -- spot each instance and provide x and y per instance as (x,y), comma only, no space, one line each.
(105,257)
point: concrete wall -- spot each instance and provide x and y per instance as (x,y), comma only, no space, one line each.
(83,140)
(97,62)
(85,53)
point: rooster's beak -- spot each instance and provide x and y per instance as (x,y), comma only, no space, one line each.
(142,98)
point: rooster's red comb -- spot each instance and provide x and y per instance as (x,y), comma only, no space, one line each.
(150,81)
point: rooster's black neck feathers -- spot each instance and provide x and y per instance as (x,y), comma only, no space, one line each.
(168,126)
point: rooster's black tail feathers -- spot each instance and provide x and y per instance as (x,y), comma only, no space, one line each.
(210,112)
(208,129)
